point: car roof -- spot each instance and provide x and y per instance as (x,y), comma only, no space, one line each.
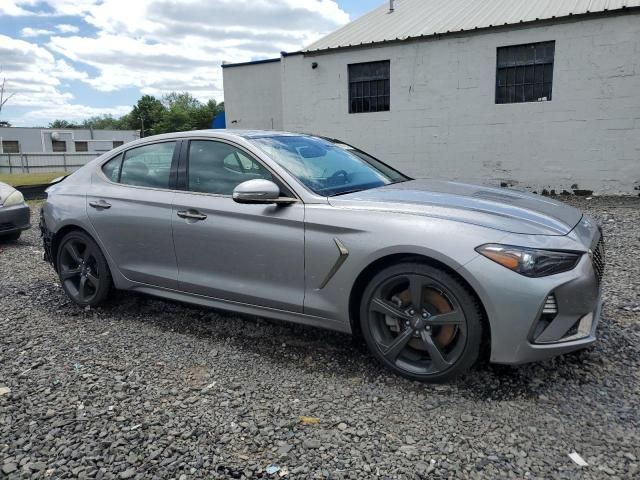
(226,133)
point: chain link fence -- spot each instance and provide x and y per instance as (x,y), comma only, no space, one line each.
(12,163)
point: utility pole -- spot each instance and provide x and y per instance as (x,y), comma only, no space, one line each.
(141,127)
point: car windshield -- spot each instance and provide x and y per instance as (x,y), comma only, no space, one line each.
(327,168)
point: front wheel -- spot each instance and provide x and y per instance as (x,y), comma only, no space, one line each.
(83,270)
(421,322)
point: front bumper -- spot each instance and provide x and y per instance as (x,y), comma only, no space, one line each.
(533,319)
(47,239)
(14,218)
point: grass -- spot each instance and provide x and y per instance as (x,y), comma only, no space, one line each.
(28,179)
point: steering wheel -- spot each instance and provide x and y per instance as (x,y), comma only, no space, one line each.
(332,180)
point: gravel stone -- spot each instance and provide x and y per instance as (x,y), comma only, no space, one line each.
(8,468)
(128,473)
(311,443)
(147,388)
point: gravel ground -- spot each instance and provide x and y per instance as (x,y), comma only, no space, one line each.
(145,388)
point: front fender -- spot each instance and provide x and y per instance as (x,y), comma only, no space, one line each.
(371,236)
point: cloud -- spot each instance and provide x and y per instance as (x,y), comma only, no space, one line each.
(14,8)
(157,46)
(160,45)
(68,111)
(66,28)
(29,32)
(34,74)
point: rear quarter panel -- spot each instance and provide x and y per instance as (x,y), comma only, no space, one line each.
(66,206)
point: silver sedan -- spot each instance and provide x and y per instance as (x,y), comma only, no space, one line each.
(314,231)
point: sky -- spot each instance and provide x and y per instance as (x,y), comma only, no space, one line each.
(73,59)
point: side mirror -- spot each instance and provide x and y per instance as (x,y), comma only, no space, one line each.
(259,191)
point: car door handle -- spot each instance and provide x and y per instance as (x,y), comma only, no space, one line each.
(191,214)
(100,205)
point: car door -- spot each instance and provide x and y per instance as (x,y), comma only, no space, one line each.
(130,203)
(252,254)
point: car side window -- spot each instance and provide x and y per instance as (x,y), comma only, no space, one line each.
(111,169)
(148,166)
(218,168)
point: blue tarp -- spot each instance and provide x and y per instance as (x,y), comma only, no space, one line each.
(219,121)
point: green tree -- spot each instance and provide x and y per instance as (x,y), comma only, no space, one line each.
(103,122)
(175,112)
(185,112)
(145,115)
(62,124)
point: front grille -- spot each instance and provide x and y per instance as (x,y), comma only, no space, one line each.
(598,260)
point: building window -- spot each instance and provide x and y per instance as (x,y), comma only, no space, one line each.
(82,147)
(10,146)
(117,143)
(59,145)
(525,73)
(369,87)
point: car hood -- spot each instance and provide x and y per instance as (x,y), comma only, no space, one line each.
(501,209)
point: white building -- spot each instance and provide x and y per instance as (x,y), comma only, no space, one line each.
(532,94)
(62,140)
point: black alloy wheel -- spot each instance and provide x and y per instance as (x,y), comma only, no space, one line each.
(421,321)
(83,270)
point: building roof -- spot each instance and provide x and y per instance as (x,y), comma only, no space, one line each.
(253,62)
(422,18)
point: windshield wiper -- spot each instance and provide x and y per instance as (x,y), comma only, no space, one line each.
(349,191)
(368,187)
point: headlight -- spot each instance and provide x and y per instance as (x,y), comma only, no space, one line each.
(15,198)
(528,261)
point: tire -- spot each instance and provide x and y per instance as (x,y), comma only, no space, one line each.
(83,271)
(10,237)
(431,340)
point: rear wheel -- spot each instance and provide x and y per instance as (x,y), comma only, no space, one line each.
(421,322)
(83,270)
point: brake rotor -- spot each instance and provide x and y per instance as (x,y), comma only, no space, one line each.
(445,333)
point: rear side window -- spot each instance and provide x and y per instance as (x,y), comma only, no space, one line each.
(111,169)
(148,166)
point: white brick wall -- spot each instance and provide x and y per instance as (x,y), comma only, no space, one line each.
(253,96)
(444,121)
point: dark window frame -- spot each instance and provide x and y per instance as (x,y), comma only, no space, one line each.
(58,142)
(15,143)
(117,143)
(524,72)
(369,92)
(81,142)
